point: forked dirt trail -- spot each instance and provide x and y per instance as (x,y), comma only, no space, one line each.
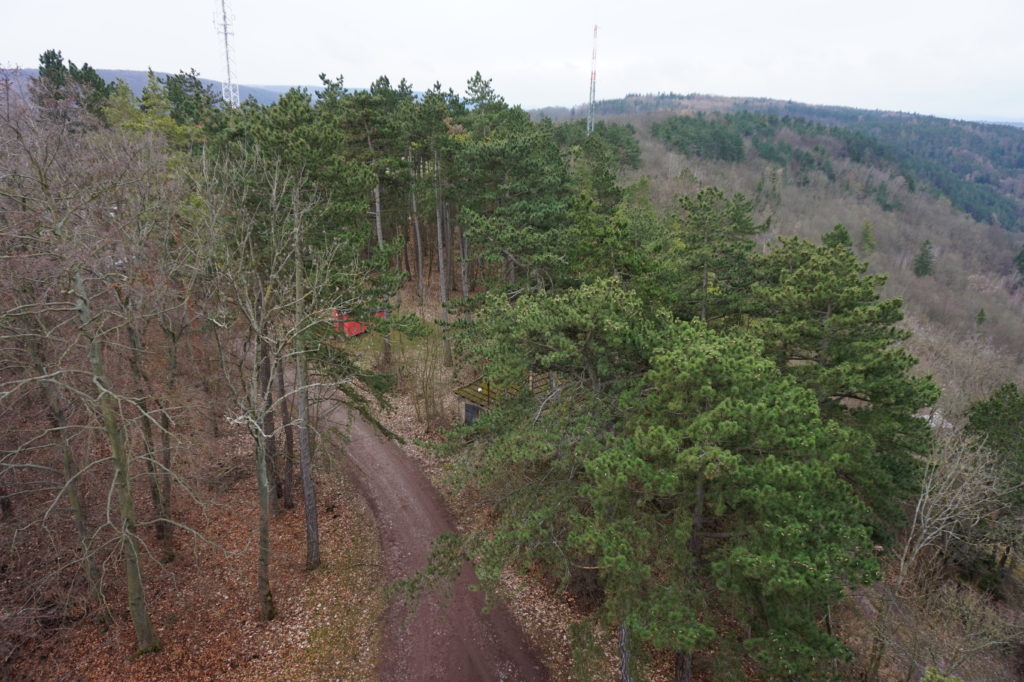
(448,639)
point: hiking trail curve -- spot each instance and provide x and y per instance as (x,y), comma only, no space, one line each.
(448,637)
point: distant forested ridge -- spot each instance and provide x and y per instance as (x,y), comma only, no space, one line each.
(978,166)
(136,81)
(816,145)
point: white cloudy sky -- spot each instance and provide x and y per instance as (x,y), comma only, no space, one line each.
(958,59)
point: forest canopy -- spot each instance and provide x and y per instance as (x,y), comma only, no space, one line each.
(705,432)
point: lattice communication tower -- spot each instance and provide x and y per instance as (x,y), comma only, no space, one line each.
(593,86)
(228,87)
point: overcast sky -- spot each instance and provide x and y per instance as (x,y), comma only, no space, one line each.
(956,59)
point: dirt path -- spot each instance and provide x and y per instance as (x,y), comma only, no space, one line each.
(451,640)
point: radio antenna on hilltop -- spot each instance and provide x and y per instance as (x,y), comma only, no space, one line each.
(228,87)
(593,86)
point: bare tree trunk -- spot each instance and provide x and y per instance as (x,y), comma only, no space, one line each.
(165,443)
(58,419)
(441,272)
(71,471)
(624,658)
(420,281)
(148,456)
(875,655)
(161,523)
(165,481)
(259,405)
(264,595)
(288,477)
(441,259)
(212,413)
(145,638)
(267,419)
(160,506)
(449,241)
(464,265)
(684,666)
(406,243)
(386,349)
(302,407)
(377,218)
(306,463)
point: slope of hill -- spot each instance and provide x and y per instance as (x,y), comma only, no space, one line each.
(978,166)
(809,175)
(966,311)
(572,259)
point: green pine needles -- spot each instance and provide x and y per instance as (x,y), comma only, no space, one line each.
(924,261)
(725,436)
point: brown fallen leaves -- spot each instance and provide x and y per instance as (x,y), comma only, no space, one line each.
(203,606)
(329,621)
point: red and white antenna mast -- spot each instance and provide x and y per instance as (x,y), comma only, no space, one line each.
(228,87)
(593,86)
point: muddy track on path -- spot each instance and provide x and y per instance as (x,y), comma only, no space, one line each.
(447,638)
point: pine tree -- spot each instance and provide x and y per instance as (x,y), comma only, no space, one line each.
(924,261)
(867,238)
(729,478)
(1000,421)
(192,101)
(512,187)
(706,472)
(709,267)
(823,322)
(78,85)
(837,236)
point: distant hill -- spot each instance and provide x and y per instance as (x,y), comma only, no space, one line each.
(264,94)
(978,166)
(898,183)
(136,80)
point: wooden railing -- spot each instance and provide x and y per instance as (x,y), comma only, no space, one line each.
(486,394)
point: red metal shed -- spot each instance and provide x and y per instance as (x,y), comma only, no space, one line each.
(343,322)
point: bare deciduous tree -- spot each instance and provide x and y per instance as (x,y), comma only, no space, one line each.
(962,498)
(82,206)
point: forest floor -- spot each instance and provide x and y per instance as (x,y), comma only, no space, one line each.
(380,505)
(203,607)
(333,623)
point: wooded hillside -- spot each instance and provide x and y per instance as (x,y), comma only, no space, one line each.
(729,463)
